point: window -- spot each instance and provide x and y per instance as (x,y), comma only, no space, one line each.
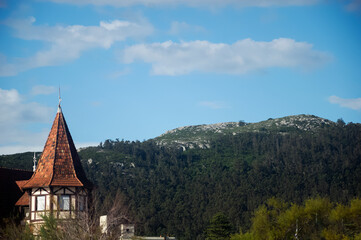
(26,211)
(40,203)
(81,203)
(64,203)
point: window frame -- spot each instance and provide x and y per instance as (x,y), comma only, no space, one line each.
(62,206)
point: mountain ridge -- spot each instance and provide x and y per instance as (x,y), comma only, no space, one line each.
(201,135)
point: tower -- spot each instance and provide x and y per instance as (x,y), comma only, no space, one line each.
(58,185)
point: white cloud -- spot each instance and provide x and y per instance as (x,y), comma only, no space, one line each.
(43,90)
(353,103)
(66,43)
(170,58)
(15,115)
(181,27)
(14,110)
(213,104)
(192,3)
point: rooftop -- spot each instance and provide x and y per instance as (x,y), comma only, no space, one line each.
(59,164)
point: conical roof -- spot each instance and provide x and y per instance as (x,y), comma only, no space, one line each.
(59,165)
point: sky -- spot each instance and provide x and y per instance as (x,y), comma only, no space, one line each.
(134,69)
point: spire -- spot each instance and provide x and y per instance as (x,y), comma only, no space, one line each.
(34,161)
(59,164)
(59,107)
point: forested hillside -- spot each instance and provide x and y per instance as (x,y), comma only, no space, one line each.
(175,191)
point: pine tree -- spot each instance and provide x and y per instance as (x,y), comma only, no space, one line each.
(219,228)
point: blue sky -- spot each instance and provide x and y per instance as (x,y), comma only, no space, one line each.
(133,69)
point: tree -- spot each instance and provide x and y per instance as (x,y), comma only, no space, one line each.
(241,123)
(341,122)
(13,231)
(50,229)
(219,228)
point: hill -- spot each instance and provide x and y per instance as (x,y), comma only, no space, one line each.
(202,135)
(176,191)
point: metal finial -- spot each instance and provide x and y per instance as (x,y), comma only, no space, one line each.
(59,108)
(34,161)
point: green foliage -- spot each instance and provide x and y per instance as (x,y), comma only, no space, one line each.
(317,218)
(241,123)
(219,228)
(340,122)
(13,231)
(50,229)
(242,236)
(18,161)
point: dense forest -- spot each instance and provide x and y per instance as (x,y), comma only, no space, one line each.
(169,190)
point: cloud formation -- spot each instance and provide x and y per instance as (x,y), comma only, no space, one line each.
(66,43)
(16,116)
(191,3)
(170,58)
(353,103)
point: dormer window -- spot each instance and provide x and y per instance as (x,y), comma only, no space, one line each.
(64,203)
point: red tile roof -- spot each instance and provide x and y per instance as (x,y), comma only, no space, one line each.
(24,200)
(21,183)
(59,165)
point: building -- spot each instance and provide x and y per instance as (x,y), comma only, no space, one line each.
(8,179)
(58,185)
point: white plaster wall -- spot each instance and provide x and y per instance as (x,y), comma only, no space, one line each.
(33,203)
(55,202)
(64,214)
(47,202)
(34,192)
(72,202)
(72,191)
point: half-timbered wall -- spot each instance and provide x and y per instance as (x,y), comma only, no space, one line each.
(63,202)
(40,203)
